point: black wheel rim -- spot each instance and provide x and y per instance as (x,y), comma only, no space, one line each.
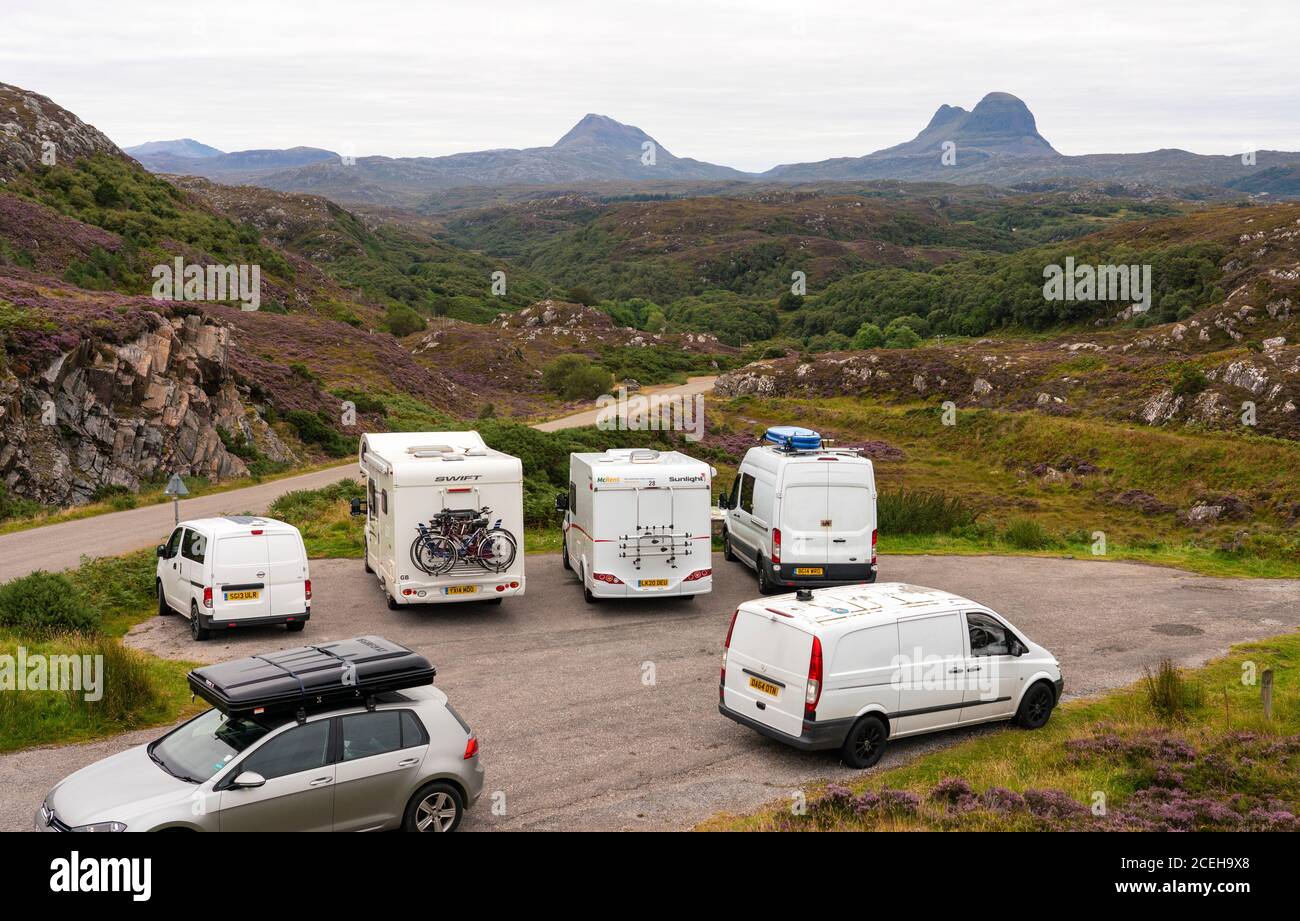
(1037,709)
(867,741)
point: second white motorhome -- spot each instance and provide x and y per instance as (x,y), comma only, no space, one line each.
(637,524)
(444,517)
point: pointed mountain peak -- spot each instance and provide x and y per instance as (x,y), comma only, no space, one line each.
(944,115)
(602,131)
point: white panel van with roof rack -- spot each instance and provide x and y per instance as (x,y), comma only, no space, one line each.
(637,524)
(802,514)
(237,571)
(444,517)
(854,666)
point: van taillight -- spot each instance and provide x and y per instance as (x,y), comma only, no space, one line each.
(471,747)
(726,644)
(607,577)
(874,532)
(306,587)
(698,574)
(776,545)
(814,692)
(207,597)
(258,533)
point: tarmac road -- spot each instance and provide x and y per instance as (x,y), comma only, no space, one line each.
(605,716)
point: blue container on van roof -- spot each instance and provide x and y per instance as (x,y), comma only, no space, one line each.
(793,438)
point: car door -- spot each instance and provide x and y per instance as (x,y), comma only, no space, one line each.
(379,755)
(932,669)
(170,570)
(992,675)
(298,795)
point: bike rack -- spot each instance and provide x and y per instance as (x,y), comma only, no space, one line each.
(655,541)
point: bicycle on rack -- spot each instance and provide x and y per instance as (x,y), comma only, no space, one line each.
(456,535)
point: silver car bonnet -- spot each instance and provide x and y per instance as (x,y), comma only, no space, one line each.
(117,789)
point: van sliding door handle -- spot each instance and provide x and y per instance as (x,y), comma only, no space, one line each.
(956,671)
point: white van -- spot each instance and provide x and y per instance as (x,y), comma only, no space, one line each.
(802,515)
(237,571)
(852,667)
(444,517)
(637,524)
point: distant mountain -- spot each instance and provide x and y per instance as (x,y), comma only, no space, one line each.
(182,147)
(240,166)
(596,149)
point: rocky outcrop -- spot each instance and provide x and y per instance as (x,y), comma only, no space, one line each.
(118,414)
(35,131)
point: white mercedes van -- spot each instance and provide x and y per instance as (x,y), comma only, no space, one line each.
(801,514)
(238,571)
(852,667)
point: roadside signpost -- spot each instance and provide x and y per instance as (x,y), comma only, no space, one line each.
(176,489)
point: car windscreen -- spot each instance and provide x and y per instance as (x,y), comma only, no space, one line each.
(206,744)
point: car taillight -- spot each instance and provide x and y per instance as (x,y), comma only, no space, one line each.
(207,597)
(726,644)
(306,587)
(607,577)
(698,574)
(874,532)
(471,747)
(814,692)
(776,545)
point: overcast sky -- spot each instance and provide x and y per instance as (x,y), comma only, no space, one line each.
(747,84)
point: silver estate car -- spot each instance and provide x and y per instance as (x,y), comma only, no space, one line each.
(409,763)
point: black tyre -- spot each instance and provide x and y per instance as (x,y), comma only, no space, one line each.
(865,743)
(197,630)
(392,602)
(564,556)
(295,626)
(1036,706)
(765,584)
(164,609)
(436,807)
(365,558)
(727,553)
(495,600)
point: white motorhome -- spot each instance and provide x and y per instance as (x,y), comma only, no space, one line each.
(444,517)
(637,524)
(854,666)
(801,514)
(237,571)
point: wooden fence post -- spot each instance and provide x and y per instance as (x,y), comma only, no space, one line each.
(1266,693)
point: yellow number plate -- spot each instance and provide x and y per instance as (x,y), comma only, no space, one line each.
(767,687)
(242,596)
(809,571)
(461,589)
(653,583)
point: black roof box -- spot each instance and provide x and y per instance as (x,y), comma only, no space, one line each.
(311,677)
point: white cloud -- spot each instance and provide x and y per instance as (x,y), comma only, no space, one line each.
(748,84)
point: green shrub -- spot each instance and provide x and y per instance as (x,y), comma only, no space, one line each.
(1170,696)
(902,337)
(921,513)
(574,377)
(1027,534)
(1191,381)
(403,321)
(43,604)
(314,429)
(16,506)
(868,336)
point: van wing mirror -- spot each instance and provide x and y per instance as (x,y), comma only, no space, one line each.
(1018,648)
(358,507)
(162,551)
(724,501)
(561,503)
(248,780)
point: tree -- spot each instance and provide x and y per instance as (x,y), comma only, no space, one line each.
(402,321)
(868,336)
(574,377)
(902,337)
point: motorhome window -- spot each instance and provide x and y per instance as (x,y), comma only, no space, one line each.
(367,734)
(747,493)
(383,500)
(195,547)
(573,497)
(372,507)
(302,748)
(987,636)
(174,544)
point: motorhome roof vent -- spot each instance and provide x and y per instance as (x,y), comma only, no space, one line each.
(793,438)
(643,456)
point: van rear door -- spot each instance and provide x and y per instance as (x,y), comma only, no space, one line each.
(239,575)
(804,515)
(851,513)
(286,573)
(767,670)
